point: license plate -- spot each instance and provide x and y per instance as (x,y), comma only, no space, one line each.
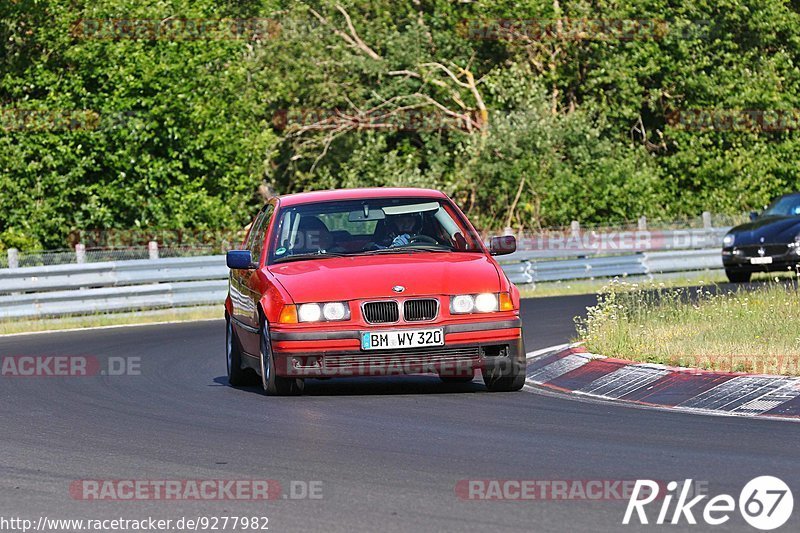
(760,260)
(417,338)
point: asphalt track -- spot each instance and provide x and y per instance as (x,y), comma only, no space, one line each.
(388,451)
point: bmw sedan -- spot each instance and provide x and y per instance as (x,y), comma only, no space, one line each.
(370,282)
(770,242)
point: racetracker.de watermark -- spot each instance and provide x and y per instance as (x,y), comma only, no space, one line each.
(104,238)
(68,366)
(345,366)
(585,29)
(176,29)
(17,120)
(589,241)
(48,120)
(752,364)
(412,119)
(193,489)
(735,120)
(555,489)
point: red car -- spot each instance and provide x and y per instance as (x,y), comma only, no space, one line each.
(364,282)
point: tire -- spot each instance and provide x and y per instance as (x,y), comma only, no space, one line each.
(273,384)
(233,356)
(507,377)
(735,276)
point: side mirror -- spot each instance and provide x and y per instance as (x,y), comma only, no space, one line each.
(507,244)
(753,215)
(240,260)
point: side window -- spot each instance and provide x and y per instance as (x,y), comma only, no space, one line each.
(255,242)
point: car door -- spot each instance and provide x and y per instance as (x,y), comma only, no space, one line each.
(245,293)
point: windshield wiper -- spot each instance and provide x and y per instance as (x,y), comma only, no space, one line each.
(303,257)
(407,249)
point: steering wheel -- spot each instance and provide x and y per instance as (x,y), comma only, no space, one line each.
(423,239)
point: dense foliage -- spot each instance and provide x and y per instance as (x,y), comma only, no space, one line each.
(192,128)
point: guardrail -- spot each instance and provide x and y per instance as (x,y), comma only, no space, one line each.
(112,286)
(85,288)
(638,264)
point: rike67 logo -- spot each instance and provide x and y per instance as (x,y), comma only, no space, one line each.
(765,503)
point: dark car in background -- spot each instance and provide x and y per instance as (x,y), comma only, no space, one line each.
(770,242)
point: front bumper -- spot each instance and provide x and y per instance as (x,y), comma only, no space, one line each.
(468,346)
(737,260)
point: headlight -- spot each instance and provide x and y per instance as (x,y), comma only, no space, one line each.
(309,313)
(796,244)
(728,239)
(486,302)
(334,311)
(315,312)
(461,304)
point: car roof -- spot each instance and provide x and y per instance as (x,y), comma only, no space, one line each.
(358,194)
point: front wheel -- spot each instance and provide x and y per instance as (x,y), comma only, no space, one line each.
(736,276)
(273,384)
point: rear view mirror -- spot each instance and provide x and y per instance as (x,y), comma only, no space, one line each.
(507,244)
(753,215)
(366,214)
(240,260)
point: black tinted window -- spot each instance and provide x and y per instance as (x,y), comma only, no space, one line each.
(788,206)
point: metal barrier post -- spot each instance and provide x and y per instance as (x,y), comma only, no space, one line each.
(13,258)
(80,253)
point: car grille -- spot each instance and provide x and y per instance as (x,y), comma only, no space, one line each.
(420,310)
(432,356)
(381,312)
(769,250)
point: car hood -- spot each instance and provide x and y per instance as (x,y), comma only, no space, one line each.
(347,278)
(771,229)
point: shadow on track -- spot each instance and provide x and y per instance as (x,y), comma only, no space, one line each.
(374,386)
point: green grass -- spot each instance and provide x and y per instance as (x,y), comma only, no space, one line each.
(754,331)
(111,319)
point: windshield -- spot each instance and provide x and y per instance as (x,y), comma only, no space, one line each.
(788,206)
(372,226)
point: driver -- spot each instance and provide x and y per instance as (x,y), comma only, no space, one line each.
(403,228)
